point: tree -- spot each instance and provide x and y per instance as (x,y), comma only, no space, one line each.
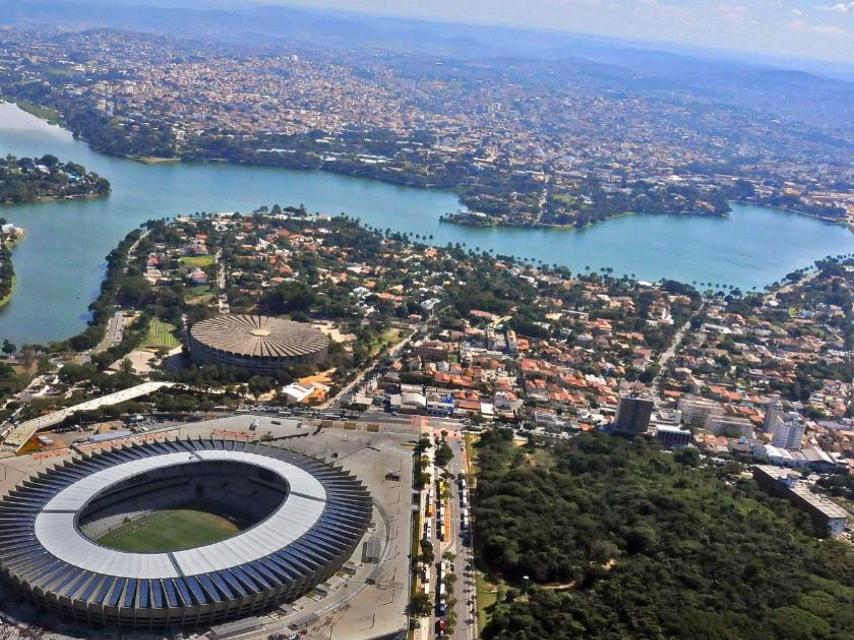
(134,291)
(444,454)
(427,554)
(259,385)
(288,297)
(609,515)
(420,605)
(28,356)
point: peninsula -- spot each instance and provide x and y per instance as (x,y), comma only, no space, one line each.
(7,271)
(46,178)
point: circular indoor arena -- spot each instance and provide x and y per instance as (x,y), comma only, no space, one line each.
(262,344)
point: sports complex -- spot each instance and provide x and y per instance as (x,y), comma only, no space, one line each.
(262,344)
(179,533)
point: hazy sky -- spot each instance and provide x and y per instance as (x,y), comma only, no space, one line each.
(802,28)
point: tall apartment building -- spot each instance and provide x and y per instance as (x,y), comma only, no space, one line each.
(788,431)
(772,414)
(633,414)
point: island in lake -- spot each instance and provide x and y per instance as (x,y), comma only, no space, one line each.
(46,178)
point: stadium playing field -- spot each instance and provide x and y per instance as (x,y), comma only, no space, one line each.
(169,530)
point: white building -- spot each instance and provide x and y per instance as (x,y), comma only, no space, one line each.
(696,410)
(299,393)
(772,414)
(788,432)
(733,426)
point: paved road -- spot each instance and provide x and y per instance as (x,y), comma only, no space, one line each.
(116,324)
(335,401)
(114,333)
(668,354)
(222,299)
(20,434)
(452,542)
(420,329)
(466,628)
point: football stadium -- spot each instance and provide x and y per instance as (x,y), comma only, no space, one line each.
(261,344)
(179,534)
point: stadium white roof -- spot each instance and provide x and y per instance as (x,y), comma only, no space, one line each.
(56,529)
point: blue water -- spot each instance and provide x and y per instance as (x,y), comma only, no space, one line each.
(60,263)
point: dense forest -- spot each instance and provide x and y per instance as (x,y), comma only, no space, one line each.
(33,179)
(621,540)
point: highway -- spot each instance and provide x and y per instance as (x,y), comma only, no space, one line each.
(461,547)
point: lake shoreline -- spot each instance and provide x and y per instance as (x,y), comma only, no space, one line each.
(8,298)
(50,116)
(54,199)
(466,220)
(449,218)
(62,261)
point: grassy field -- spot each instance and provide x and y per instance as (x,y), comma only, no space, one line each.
(388,338)
(469,442)
(169,530)
(487,595)
(197,261)
(45,113)
(199,295)
(161,335)
(195,292)
(566,198)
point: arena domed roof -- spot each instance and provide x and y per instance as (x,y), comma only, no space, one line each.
(259,336)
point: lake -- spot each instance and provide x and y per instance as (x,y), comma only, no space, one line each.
(60,263)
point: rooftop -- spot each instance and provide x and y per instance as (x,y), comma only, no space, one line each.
(259,336)
(56,529)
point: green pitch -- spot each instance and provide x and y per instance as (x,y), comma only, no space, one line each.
(169,530)
(198,261)
(161,335)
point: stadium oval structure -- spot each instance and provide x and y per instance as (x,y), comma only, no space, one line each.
(259,343)
(312,516)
